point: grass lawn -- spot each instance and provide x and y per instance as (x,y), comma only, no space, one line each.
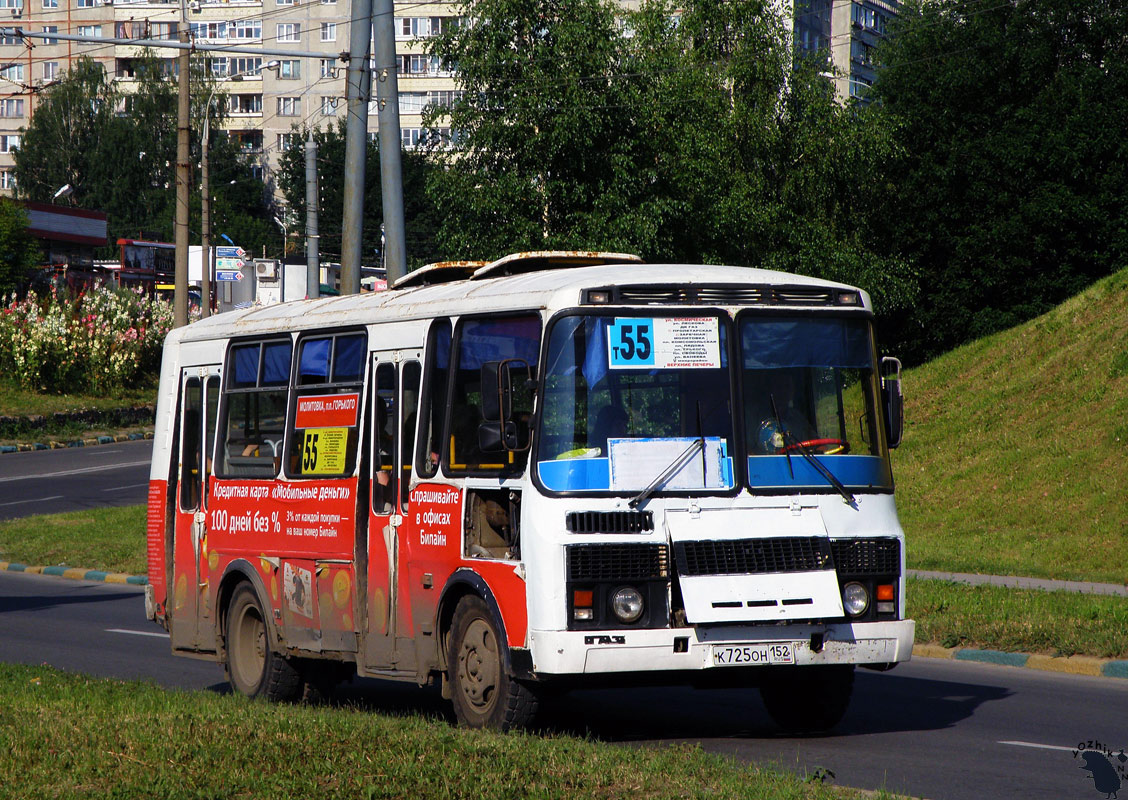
(19,404)
(111,539)
(16,401)
(1018,620)
(69,736)
(1015,458)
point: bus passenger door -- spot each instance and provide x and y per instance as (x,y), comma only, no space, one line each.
(199,397)
(395,398)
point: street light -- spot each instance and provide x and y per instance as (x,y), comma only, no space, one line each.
(205,201)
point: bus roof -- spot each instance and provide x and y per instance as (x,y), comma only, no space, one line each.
(641,284)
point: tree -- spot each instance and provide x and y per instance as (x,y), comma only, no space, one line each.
(126,163)
(419,213)
(1012,192)
(58,146)
(685,134)
(19,252)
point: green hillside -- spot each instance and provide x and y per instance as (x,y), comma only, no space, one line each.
(1015,457)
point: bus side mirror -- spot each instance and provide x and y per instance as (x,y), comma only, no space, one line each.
(499,431)
(893,400)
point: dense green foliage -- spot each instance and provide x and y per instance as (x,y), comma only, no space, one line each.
(689,137)
(1011,192)
(419,213)
(126,162)
(19,252)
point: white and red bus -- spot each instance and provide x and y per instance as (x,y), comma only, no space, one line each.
(556,469)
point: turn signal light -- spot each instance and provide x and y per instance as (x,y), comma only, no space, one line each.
(885,592)
(582,604)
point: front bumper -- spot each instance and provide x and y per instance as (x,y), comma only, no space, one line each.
(691,649)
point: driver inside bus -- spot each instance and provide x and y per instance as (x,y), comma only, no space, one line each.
(792,423)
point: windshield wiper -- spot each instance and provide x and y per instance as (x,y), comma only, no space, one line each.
(790,441)
(668,472)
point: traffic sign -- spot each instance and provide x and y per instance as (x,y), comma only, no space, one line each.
(228,275)
(230,252)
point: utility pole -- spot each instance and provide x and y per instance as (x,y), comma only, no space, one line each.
(183,179)
(313,258)
(356,145)
(205,223)
(391,169)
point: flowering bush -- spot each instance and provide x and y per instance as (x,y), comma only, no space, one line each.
(97,343)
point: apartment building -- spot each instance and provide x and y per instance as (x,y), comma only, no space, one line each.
(268,96)
(849,30)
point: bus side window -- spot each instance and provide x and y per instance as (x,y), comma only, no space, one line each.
(325,420)
(409,413)
(481,343)
(254,409)
(432,407)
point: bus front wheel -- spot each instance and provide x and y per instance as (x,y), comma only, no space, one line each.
(484,695)
(808,699)
(253,668)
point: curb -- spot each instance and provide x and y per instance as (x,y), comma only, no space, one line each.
(90,442)
(1071,665)
(76,573)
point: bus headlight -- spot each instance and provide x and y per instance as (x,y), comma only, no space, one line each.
(627,604)
(855,599)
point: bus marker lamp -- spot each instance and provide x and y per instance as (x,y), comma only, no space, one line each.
(582,604)
(885,599)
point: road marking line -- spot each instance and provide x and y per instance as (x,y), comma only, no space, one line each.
(1042,746)
(78,471)
(33,500)
(137,633)
(124,488)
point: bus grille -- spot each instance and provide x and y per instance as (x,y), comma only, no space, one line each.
(617,562)
(609,521)
(753,556)
(867,556)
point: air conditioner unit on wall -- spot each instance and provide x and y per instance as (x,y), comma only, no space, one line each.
(268,270)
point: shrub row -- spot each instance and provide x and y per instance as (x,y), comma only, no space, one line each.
(99,342)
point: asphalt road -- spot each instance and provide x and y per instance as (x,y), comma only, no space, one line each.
(74,478)
(936,729)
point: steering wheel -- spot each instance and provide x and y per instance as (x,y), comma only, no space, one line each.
(824,447)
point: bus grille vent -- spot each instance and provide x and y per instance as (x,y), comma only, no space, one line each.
(641,295)
(753,556)
(617,562)
(867,556)
(610,521)
(737,294)
(802,295)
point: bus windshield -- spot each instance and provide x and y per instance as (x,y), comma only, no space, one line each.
(626,397)
(630,398)
(810,388)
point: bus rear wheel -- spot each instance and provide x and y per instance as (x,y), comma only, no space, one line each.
(253,668)
(808,699)
(483,693)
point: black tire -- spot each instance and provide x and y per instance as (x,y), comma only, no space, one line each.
(483,694)
(253,668)
(808,699)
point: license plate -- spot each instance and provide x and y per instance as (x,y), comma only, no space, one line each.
(752,655)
